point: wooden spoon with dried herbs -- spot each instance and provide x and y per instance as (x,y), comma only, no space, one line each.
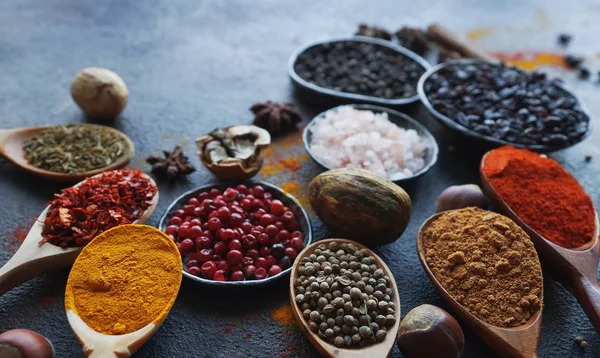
(66,153)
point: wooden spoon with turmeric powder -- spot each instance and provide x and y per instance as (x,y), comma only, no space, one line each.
(121,288)
(473,273)
(33,259)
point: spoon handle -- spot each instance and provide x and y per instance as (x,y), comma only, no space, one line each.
(587,292)
(4,134)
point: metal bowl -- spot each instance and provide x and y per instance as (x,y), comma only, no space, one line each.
(316,92)
(400,119)
(448,122)
(287,199)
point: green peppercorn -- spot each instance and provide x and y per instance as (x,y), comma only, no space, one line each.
(364,331)
(338,341)
(380,335)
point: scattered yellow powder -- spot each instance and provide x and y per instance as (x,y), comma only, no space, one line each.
(478,33)
(284,315)
(531,60)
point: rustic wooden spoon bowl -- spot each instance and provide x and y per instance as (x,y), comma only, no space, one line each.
(573,268)
(521,341)
(32,260)
(381,349)
(11,147)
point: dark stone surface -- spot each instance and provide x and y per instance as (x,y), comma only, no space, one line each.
(191,65)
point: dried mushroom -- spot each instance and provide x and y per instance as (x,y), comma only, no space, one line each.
(233,152)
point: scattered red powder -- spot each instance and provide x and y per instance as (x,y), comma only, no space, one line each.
(17,237)
(47,300)
(230,328)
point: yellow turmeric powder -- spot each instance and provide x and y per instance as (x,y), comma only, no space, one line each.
(124,279)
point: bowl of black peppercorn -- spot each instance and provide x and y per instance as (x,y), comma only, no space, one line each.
(357,70)
(504,105)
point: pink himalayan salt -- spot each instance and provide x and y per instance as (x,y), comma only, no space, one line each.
(353,138)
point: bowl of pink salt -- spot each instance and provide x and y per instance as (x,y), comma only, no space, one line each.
(375,138)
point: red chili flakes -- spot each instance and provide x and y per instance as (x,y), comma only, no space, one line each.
(81,213)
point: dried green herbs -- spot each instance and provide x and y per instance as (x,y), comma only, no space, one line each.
(74,148)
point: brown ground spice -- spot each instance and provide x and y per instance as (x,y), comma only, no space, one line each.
(487,263)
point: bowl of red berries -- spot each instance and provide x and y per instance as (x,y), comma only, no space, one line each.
(237,233)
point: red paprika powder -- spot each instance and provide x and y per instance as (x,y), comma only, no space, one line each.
(544,195)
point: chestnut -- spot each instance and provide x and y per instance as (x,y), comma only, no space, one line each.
(460,196)
(429,331)
(23,343)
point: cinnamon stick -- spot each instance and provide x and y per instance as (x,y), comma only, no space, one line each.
(448,40)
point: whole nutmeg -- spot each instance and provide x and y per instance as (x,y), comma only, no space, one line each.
(101,93)
(429,331)
(460,196)
(23,343)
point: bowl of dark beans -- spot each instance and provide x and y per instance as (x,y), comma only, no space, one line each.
(357,70)
(504,105)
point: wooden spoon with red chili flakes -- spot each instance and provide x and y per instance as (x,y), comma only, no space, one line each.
(36,257)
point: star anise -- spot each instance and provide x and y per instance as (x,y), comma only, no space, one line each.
(373,31)
(276,117)
(413,39)
(174,164)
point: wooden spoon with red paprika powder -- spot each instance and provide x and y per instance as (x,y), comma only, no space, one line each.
(575,268)
(33,258)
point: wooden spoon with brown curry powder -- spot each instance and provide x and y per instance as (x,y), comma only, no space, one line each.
(486,268)
(121,288)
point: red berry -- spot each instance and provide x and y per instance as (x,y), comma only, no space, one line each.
(192,255)
(285,262)
(274,270)
(260,273)
(208,269)
(183,231)
(223,266)
(287,216)
(203,196)
(257,203)
(195,222)
(235,268)
(267,196)
(249,272)
(220,276)
(195,231)
(214,224)
(290,252)
(194,270)
(271,230)
(258,191)
(279,225)
(235,219)
(175,220)
(242,189)
(186,245)
(297,244)
(198,211)
(247,260)
(266,220)
(234,257)
(263,239)
(191,263)
(271,260)
(213,214)
(214,192)
(203,242)
(276,207)
(262,262)
(237,209)
(247,227)
(253,254)
(292,225)
(278,250)
(179,213)
(298,234)
(205,255)
(224,213)
(249,241)
(227,234)
(285,235)
(193,201)
(237,276)
(220,248)
(264,251)
(189,209)
(235,245)
(172,229)
(230,194)
(246,204)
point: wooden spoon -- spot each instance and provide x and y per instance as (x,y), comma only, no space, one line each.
(518,341)
(381,349)
(11,147)
(576,269)
(32,260)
